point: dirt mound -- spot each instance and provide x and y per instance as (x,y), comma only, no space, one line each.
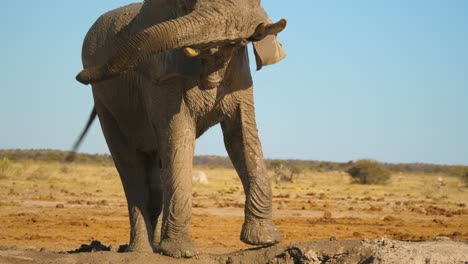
(97,246)
(440,250)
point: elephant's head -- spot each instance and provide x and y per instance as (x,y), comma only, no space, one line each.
(211,31)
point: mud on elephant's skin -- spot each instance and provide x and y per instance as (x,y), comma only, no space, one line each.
(162,73)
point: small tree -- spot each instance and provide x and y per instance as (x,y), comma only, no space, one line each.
(295,169)
(282,170)
(368,172)
(277,166)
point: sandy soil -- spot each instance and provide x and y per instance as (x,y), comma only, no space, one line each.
(53,208)
(375,251)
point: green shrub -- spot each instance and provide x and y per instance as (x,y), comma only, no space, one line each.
(368,172)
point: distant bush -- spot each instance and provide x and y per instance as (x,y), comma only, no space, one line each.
(5,165)
(212,161)
(462,173)
(368,172)
(286,172)
(46,155)
(296,170)
(39,174)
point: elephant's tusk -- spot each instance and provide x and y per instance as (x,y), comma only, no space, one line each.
(265,29)
(273,29)
(191,52)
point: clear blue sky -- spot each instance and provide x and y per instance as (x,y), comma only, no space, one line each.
(386,80)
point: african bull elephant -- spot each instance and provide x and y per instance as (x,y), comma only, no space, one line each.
(162,73)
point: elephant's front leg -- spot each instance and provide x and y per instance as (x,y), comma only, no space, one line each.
(244,149)
(177,191)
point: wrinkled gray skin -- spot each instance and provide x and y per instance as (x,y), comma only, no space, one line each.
(153,101)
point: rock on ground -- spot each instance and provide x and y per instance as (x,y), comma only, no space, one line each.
(200,177)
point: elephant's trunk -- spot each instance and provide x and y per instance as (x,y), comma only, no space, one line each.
(202,26)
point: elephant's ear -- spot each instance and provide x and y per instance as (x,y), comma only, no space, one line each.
(268,50)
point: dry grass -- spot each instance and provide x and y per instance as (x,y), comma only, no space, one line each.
(39,177)
(339,184)
(62,205)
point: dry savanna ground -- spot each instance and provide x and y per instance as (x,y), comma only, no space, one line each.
(60,206)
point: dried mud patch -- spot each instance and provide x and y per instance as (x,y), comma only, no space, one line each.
(439,250)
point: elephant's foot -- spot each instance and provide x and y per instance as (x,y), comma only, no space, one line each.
(260,232)
(143,247)
(139,241)
(178,248)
